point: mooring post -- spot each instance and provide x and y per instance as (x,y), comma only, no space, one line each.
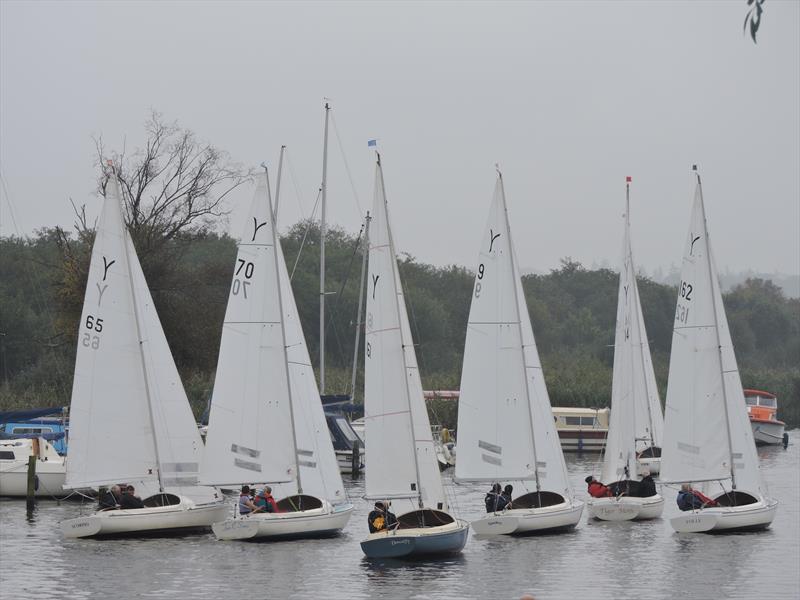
(355,460)
(29,497)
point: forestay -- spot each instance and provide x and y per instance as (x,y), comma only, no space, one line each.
(125,377)
(401,453)
(636,419)
(250,425)
(707,434)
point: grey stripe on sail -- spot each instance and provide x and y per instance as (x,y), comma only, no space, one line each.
(737,455)
(738,465)
(307,463)
(246,464)
(688,448)
(305,452)
(541,464)
(490,447)
(492,459)
(244,450)
(180,467)
(179,481)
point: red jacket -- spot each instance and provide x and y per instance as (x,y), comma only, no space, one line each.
(705,499)
(598,490)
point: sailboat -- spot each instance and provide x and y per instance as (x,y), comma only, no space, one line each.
(506,430)
(266,423)
(126,382)
(708,440)
(402,459)
(636,420)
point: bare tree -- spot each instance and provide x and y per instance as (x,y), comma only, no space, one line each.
(174,185)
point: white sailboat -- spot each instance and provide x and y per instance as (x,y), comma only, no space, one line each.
(636,420)
(506,430)
(402,459)
(708,440)
(130,421)
(266,423)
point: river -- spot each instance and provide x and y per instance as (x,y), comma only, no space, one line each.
(611,560)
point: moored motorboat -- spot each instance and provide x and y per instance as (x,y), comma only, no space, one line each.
(50,468)
(708,440)
(762,408)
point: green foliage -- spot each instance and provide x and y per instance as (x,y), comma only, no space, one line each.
(42,281)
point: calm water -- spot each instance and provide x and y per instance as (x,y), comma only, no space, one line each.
(613,560)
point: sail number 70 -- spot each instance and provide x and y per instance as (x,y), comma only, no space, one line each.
(245,269)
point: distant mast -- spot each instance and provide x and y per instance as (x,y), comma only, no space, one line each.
(322,233)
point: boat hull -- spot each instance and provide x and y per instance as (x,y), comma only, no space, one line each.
(626,508)
(417,542)
(146,521)
(767,433)
(560,517)
(582,440)
(50,477)
(717,519)
(319,522)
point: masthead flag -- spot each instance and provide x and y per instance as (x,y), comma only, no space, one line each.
(628,179)
(372,143)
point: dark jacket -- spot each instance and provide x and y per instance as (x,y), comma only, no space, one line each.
(107,500)
(647,487)
(131,501)
(379,520)
(495,502)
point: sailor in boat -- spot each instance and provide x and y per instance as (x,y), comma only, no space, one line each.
(111,498)
(130,499)
(691,499)
(246,504)
(265,502)
(597,489)
(494,499)
(647,487)
(381,518)
(507,491)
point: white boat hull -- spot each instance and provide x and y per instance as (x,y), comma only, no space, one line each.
(562,516)
(187,515)
(316,522)
(726,518)
(626,508)
(50,478)
(767,433)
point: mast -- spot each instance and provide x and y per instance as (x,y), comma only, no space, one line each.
(360,303)
(521,338)
(711,276)
(278,183)
(396,277)
(275,243)
(126,237)
(322,233)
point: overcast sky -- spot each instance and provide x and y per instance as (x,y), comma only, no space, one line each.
(569,98)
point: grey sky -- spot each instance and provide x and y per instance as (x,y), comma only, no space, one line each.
(569,98)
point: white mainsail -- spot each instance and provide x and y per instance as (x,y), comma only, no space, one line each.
(402,459)
(636,419)
(707,434)
(125,377)
(250,413)
(505,425)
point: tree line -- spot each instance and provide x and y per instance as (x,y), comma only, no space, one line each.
(572,308)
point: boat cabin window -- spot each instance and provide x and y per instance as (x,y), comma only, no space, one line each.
(346,429)
(735,498)
(584,421)
(299,502)
(537,500)
(5,455)
(770,402)
(751,400)
(161,500)
(425,517)
(32,430)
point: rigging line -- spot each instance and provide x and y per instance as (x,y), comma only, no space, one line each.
(305,235)
(43,307)
(346,166)
(338,297)
(419,345)
(297,194)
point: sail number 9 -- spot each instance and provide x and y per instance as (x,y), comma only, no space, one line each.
(245,268)
(88,340)
(481,271)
